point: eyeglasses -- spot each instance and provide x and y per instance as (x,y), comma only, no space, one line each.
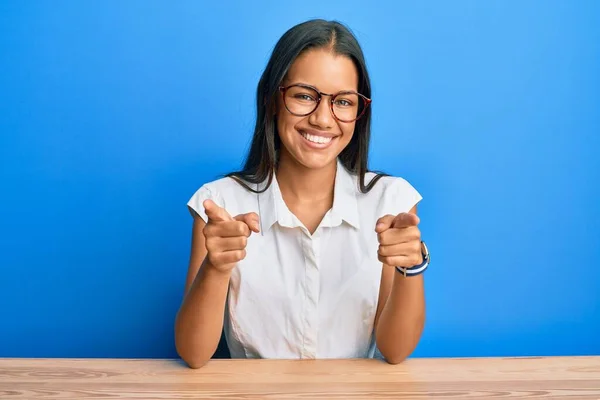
(302,100)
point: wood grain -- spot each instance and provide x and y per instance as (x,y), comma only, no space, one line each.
(470,378)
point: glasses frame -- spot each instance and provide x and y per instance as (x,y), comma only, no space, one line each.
(284,89)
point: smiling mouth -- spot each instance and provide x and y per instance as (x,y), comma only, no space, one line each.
(316,139)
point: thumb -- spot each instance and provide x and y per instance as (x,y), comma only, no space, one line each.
(250,219)
(384,223)
(404,220)
(214,212)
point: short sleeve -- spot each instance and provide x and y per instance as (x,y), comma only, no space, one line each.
(400,196)
(195,205)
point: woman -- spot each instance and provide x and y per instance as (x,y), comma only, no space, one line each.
(304,253)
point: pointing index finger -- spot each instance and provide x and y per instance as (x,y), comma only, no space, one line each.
(214,212)
(404,220)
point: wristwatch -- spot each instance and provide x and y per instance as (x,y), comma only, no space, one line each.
(417,269)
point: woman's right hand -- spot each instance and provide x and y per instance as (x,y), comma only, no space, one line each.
(226,237)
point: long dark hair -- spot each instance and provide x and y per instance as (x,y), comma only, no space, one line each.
(261,160)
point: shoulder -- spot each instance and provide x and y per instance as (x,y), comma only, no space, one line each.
(391,194)
(224,187)
(225,192)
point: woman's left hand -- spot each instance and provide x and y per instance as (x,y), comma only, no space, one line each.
(399,240)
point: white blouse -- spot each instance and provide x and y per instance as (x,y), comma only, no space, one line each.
(303,296)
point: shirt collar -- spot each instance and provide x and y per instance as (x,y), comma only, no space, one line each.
(272,207)
(345,205)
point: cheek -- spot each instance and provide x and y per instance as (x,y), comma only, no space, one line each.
(281,118)
(285,124)
(347,131)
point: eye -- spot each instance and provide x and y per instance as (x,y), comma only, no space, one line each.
(304,97)
(343,103)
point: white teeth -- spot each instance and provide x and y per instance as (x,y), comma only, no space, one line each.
(316,139)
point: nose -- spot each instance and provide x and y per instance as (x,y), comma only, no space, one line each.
(322,116)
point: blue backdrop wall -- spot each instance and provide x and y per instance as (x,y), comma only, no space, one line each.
(113,113)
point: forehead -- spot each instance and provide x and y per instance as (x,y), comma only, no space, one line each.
(325,70)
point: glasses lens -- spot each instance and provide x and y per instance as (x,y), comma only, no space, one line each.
(300,100)
(348,106)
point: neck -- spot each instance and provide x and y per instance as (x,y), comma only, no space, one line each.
(305,184)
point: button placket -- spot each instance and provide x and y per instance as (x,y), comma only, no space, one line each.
(312,284)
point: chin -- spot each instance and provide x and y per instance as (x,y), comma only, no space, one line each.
(317,162)
(311,160)
(315,159)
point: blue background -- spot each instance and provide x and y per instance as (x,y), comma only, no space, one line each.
(113,113)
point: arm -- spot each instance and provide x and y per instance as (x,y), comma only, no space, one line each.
(217,247)
(401,310)
(199,322)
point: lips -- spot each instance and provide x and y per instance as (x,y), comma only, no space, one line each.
(315,138)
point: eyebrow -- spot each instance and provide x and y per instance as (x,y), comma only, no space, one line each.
(314,87)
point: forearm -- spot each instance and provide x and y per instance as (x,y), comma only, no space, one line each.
(199,321)
(402,319)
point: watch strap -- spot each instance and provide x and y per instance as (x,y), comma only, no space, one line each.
(417,269)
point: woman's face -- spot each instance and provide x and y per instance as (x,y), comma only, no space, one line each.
(316,140)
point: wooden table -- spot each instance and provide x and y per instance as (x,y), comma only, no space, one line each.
(553,377)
